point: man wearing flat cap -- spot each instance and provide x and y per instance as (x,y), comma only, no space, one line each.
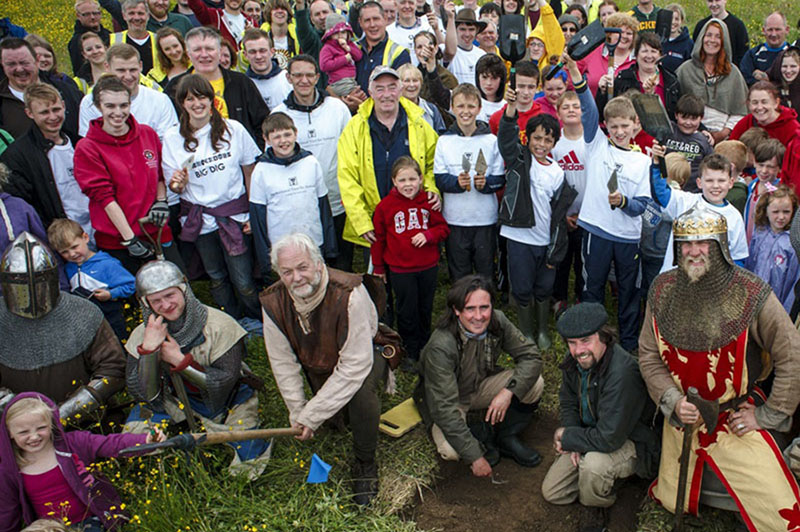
(605,414)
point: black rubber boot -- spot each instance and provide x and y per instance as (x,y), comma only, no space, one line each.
(365,482)
(484,433)
(518,416)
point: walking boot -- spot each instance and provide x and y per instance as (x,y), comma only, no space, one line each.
(365,481)
(518,416)
(543,325)
(484,433)
(525,320)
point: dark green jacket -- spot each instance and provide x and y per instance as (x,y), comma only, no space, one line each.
(452,367)
(619,402)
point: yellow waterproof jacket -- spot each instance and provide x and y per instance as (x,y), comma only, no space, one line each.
(357,182)
(547,30)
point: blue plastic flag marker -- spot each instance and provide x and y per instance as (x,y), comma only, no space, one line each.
(318,471)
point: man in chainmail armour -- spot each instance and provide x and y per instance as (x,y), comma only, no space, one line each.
(718,328)
(185,351)
(53,342)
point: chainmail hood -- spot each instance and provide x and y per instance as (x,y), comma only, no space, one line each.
(711,312)
(186,329)
(60,335)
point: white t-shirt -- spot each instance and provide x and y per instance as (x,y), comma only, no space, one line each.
(274,90)
(19,95)
(319,132)
(405,36)
(215,177)
(149,107)
(571,157)
(235,24)
(681,201)
(463,64)
(489,108)
(281,43)
(74,201)
(291,194)
(633,177)
(470,208)
(545,180)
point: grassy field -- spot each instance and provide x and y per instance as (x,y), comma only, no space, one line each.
(172,492)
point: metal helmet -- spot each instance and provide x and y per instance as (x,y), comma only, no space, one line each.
(29,277)
(701,223)
(158,275)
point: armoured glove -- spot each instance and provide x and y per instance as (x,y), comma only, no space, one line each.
(159,213)
(137,249)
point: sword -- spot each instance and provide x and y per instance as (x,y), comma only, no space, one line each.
(189,441)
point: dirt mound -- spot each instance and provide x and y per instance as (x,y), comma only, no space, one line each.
(462,503)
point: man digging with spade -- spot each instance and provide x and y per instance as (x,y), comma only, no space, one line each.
(706,326)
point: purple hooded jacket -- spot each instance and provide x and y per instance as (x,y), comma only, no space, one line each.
(74,451)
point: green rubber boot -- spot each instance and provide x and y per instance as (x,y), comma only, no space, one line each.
(525,319)
(543,322)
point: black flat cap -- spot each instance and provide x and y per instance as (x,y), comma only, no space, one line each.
(583,319)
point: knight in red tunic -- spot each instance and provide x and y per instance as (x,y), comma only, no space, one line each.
(719,328)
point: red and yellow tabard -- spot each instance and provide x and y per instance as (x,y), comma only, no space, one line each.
(770,504)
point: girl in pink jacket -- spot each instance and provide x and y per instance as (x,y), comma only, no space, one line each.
(338,55)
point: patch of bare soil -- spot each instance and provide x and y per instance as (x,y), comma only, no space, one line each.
(460,502)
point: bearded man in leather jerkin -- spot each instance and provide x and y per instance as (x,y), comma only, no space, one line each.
(320,322)
(717,327)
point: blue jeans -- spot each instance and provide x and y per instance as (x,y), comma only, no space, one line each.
(228,273)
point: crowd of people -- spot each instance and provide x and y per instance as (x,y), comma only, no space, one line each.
(270,147)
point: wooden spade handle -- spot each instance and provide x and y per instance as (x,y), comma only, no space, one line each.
(213,438)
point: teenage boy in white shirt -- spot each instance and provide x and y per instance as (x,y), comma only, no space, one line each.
(148,106)
(288,193)
(570,152)
(470,203)
(617,189)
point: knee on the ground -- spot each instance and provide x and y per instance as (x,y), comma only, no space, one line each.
(595,480)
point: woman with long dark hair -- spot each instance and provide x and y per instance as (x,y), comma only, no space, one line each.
(712,77)
(209,161)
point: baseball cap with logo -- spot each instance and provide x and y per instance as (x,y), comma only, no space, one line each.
(380,70)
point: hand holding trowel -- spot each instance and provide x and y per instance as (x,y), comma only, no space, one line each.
(654,120)
(464,179)
(613,188)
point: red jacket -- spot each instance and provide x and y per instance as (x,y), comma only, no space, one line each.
(784,128)
(522,120)
(396,220)
(213,16)
(124,169)
(790,173)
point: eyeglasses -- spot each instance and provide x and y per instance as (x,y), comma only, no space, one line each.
(537,44)
(90,14)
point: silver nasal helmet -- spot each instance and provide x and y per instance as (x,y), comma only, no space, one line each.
(29,277)
(158,275)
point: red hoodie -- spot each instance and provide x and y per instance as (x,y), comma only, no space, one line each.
(522,120)
(784,128)
(124,169)
(396,220)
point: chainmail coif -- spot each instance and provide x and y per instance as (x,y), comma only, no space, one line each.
(189,326)
(711,312)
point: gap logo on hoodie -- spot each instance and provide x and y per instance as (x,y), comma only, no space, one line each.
(413,222)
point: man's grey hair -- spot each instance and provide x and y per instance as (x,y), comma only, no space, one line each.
(127,4)
(299,241)
(203,32)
